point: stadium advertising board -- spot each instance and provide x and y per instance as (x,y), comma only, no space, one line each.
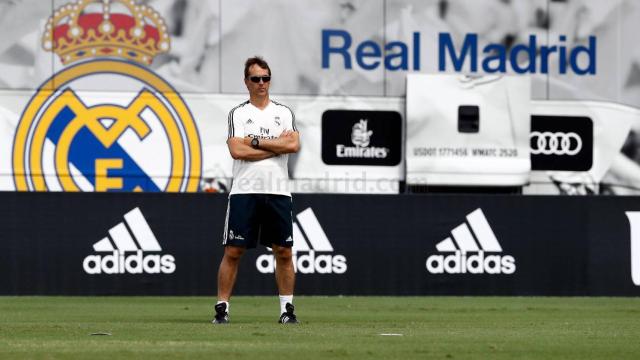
(361,137)
(169,244)
(561,143)
(579,142)
(72,85)
(464,130)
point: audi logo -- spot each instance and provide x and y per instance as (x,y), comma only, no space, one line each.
(555,143)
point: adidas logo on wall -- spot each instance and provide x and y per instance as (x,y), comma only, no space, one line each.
(634,223)
(308,257)
(473,255)
(124,255)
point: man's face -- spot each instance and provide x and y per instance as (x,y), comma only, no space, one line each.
(260,88)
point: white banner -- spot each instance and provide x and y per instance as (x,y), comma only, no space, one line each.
(611,124)
(60,62)
(468,130)
(140,148)
(360,47)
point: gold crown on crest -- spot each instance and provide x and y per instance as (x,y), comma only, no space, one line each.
(121,29)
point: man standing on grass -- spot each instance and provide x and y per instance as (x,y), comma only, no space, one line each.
(261,134)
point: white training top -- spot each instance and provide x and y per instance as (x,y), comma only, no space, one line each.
(268,176)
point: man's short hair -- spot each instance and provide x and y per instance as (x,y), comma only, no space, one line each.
(256,60)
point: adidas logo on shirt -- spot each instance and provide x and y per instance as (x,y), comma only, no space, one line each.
(471,255)
(124,256)
(314,256)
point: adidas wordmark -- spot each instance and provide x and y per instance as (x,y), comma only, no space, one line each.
(312,257)
(127,257)
(468,256)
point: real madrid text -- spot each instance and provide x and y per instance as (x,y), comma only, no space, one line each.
(339,50)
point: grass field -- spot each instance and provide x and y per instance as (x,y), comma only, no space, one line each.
(332,327)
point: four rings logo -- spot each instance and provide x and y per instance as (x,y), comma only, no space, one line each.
(557,143)
(141,139)
(562,143)
(127,257)
(316,256)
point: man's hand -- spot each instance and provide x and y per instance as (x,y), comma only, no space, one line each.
(286,133)
(286,143)
(241,150)
(283,134)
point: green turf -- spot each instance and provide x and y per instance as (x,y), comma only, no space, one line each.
(332,327)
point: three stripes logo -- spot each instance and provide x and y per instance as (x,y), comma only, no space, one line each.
(634,222)
(123,256)
(314,256)
(470,254)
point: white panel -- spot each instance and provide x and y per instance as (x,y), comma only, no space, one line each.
(634,221)
(103,245)
(141,230)
(439,154)
(315,234)
(464,239)
(483,231)
(299,242)
(446,245)
(611,125)
(122,238)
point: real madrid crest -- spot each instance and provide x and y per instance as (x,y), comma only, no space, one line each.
(74,137)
